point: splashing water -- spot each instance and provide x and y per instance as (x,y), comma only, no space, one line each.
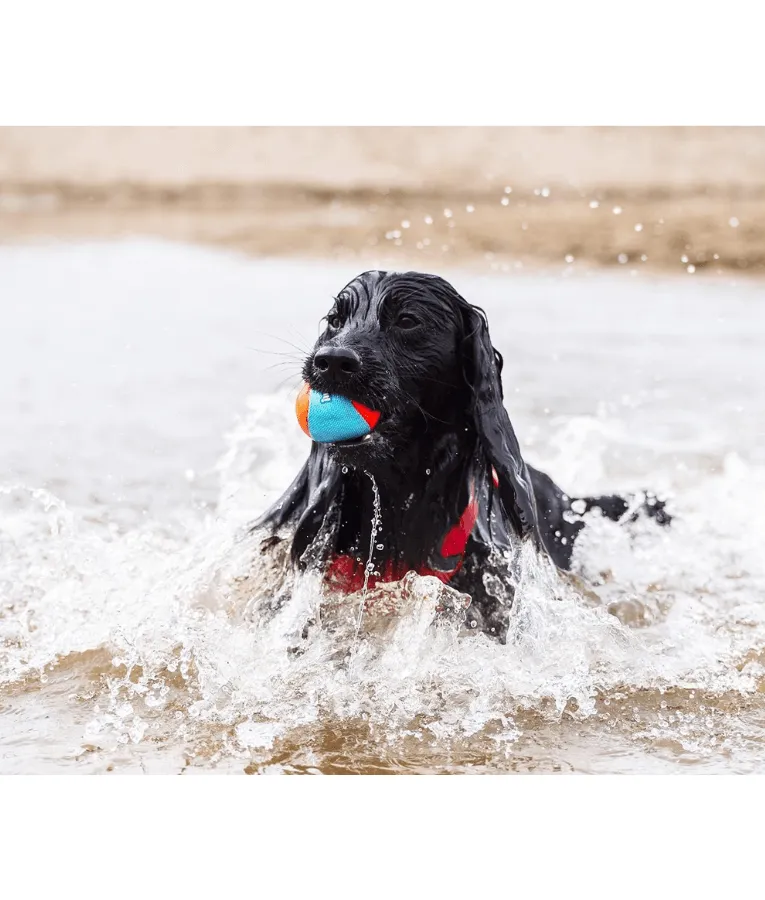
(369,567)
(142,628)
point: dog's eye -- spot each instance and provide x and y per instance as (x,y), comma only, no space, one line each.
(406,322)
(334,320)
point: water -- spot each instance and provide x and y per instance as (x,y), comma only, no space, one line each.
(142,426)
(376,524)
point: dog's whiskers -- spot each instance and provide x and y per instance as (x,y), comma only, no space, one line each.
(277,353)
(301,350)
(285,381)
(281,364)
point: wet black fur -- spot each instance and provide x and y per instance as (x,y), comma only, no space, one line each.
(428,364)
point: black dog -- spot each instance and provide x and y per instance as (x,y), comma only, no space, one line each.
(455,493)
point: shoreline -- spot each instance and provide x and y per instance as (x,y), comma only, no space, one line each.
(722,232)
(658,199)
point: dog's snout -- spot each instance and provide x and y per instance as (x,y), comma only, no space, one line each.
(336,362)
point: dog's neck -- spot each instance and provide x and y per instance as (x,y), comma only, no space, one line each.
(422,493)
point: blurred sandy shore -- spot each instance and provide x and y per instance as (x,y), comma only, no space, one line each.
(656,198)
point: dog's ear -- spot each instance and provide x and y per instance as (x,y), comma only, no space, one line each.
(482,366)
(306,501)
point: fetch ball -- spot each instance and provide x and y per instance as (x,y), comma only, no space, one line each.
(327,418)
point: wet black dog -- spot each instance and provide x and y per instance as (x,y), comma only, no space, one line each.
(453,485)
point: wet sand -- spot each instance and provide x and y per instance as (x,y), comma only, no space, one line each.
(657,199)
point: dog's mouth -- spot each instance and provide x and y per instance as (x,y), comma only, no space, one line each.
(352,442)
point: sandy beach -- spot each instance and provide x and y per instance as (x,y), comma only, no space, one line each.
(662,199)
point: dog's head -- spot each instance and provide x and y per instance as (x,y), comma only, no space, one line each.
(393,342)
(408,345)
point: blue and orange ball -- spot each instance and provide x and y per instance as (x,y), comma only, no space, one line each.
(329,417)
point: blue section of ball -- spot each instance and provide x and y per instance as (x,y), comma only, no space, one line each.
(334,418)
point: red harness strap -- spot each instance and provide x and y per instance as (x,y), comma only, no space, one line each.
(345,573)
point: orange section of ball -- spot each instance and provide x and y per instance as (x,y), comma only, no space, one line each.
(301,408)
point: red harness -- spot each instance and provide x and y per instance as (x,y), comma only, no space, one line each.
(346,573)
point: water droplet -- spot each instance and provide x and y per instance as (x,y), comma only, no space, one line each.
(428,220)
(638,227)
(470,208)
(427,471)
(508,189)
(623,258)
(617,210)
(594,204)
(683,259)
(345,470)
(405,223)
(448,213)
(733,222)
(369,567)
(569,258)
(691,269)
(504,201)
(545,192)
(381,546)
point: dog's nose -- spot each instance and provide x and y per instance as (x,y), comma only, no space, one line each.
(336,361)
